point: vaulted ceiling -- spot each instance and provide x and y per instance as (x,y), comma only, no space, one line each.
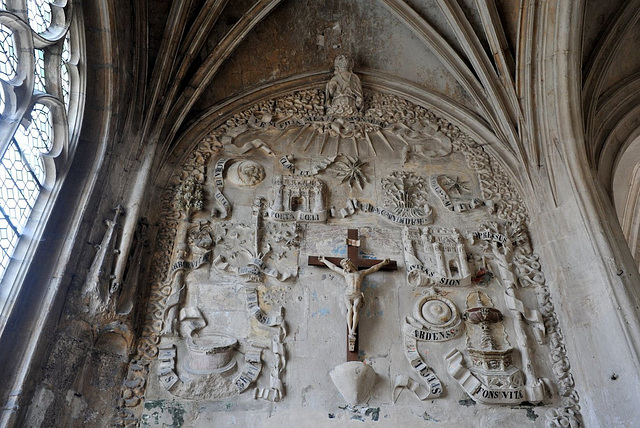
(478,57)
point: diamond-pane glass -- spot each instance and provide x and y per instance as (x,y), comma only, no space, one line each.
(8,241)
(39,12)
(66,84)
(42,134)
(66,49)
(39,84)
(8,57)
(18,189)
(22,164)
(64,70)
(36,139)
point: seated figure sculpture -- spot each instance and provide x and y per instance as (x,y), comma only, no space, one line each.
(344,90)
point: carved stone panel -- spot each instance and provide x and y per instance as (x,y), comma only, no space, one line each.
(237,316)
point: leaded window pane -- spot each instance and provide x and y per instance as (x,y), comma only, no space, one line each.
(64,71)
(39,12)
(40,82)
(66,49)
(22,165)
(36,139)
(8,57)
(18,190)
(66,84)
(8,241)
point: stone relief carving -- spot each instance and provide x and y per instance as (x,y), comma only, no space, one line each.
(256,246)
(344,90)
(424,141)
(446,187)
(435,319)
(435,256)
(352,171)
(298,199)
(246,173)
(287,162)
(492,378)
(353,298)
(406,193)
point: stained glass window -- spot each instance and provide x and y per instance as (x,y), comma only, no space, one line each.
(34,109)
(64,70)
(39,15)
(8,59)
(40,77)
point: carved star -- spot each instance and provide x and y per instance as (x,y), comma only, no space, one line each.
(456,185)
(352,171)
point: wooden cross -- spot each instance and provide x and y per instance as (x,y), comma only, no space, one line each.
(353,244)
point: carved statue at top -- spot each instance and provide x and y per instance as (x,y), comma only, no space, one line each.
(344,90)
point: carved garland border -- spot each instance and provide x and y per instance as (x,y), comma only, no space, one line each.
(495,186)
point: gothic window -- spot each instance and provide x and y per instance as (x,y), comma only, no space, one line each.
(41,99)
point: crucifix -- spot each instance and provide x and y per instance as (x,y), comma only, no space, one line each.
(354,269)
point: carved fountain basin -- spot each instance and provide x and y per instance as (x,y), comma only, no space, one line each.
(212,353)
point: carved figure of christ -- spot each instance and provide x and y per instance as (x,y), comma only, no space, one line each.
(354,297)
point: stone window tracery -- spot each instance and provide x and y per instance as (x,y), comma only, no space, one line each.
(42,84)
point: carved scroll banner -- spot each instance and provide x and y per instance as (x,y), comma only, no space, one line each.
(435,319)
(301,216)
(218,183)
(275,392)
(487,235)
(255,144)
(166,374)
(191,319)
(533,317)
(258,314)
(415,270)
(476,389)
(421,367)
(430,335)
(286,162)
(420,217)
(343,126)
(193,264)
(251,371)
(404,381)
(348,210)
(255,268)
(455,206)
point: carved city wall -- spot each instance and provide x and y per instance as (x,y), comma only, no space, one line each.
(249,319)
